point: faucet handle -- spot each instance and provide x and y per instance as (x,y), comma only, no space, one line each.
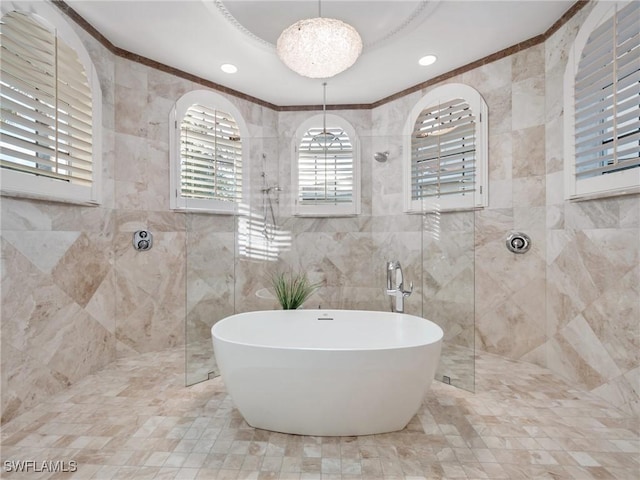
(406,293)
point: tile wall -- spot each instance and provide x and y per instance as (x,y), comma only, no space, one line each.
(59,280)
(592,267)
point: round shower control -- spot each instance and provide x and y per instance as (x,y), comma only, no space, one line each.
(518,242)
(142,240)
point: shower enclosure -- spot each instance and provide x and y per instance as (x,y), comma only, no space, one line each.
(448,271)
(231,258)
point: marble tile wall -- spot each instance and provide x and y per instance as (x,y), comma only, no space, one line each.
(348,254)
(510,287)
(150,285)
(572,303)
(75,295)
(58,298)
(345,255)
(175,292)
(58,285)
(592,266)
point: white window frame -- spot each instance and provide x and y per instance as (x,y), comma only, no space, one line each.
(615,183)
(21,184)
(337,210)
(212,100)
(480,197)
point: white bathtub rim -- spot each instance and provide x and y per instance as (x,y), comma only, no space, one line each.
(432,340)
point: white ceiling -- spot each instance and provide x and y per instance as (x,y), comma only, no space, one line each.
(197,36)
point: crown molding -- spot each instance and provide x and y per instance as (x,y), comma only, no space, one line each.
(538,39)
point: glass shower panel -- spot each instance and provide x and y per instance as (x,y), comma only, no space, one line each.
(435,249)
(261,238)
(395,235)
(210,246)
(230,257)
(449,291)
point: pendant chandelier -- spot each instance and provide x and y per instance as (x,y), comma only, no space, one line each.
(319,47)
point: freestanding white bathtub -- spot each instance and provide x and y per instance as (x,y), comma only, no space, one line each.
(327,372)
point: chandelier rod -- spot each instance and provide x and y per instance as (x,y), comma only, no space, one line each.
(324,108)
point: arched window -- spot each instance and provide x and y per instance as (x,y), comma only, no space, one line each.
(51,109)
(326,173)
(602,104)
(446,151)
(208,146)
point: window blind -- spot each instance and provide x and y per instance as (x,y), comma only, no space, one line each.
(325,167)
(607,97)
(46,115)
(443,151)
(211,155)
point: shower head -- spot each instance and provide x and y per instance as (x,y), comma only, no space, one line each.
(381,156)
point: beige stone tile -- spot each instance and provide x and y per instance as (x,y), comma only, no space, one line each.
(524,424)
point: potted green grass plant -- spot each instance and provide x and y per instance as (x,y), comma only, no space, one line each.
(292,290)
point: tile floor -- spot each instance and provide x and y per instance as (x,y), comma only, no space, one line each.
(135,419)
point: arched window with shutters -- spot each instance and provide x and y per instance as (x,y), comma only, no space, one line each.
(446,166)
(602,104)
(51,109)
(208,144)
(326,168)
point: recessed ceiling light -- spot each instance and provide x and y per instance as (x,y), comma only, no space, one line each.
(427,60)
(228,68)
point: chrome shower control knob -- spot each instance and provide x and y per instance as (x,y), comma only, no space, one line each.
(518,242)
(142,240)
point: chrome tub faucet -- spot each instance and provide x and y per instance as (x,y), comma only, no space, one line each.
(395,285)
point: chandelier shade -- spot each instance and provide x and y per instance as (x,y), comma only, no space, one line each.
(319,47)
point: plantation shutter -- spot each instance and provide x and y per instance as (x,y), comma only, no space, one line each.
(325,167)
(46,119)
(607,97)
(211,155)
(443,151)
